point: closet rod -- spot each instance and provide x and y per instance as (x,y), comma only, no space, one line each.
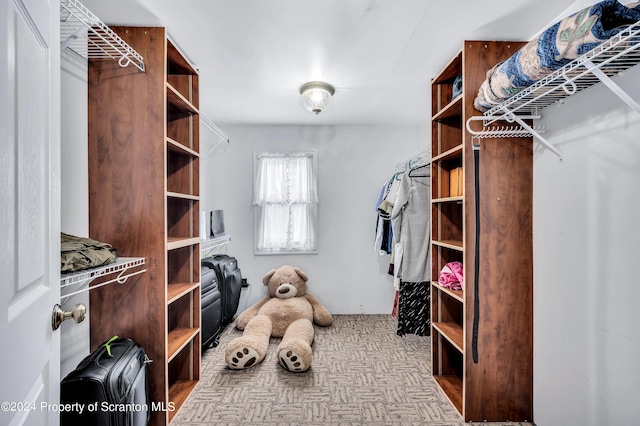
(523,131)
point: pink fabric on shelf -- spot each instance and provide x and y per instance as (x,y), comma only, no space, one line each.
(452,276)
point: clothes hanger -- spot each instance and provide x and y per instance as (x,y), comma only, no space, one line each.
(418,168)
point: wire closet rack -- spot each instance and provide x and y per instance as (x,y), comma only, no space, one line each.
(81,279)
(85,34)
(599,65)
(421,157)
(208,247)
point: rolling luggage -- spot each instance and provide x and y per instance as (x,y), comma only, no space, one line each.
(109,387)
(211,303)
(229,281)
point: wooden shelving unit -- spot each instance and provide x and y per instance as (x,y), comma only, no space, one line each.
(500,386)
(144,194)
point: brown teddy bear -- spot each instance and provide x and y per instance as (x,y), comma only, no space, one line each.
(288,312)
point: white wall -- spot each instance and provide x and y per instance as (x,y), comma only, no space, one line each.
(586,248)
(74,338)
(347,275)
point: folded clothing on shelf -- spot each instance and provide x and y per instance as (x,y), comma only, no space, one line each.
(78,253)
(451,276)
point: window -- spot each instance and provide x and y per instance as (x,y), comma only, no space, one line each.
(285,200)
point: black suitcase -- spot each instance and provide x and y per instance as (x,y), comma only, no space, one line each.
(109,387)
(229,281)
(211,303)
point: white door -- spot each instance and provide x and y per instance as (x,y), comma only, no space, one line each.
(29,211)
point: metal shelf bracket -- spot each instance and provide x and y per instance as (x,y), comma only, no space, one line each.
(617,90)
(214,131)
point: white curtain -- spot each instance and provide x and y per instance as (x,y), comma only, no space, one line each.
(286,198)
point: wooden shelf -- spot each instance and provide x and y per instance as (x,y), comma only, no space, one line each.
(450,71)
(182,137)
(157,160)
(456,294)
(453,153)
(448,200)
(176,61)
(180,149)
(182,196)
(178,394)
(452,388)
(178,102)
(453,109)
(178,339)
(450,244)
(452,332)
(499,386)
(177,242)
(177,290)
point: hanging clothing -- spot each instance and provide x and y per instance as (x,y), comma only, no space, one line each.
(411,222)
(397,260)
(383,242)
(414,309)
(385,207)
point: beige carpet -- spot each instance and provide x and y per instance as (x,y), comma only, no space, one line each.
(362,374)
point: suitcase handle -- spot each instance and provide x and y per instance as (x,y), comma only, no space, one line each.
(107,345)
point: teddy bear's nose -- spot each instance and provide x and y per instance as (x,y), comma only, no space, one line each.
(283,290)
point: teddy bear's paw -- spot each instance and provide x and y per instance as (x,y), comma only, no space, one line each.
(242,357)
(292,361)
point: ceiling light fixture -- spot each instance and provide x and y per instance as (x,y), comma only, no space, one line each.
(316,96)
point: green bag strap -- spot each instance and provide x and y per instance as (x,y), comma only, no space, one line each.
(108,344)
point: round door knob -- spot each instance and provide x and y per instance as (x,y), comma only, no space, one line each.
(59,315)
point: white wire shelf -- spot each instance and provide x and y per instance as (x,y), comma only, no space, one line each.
(610,58)
(218,136)
(83,278)
(86,35)
(421,157)
(207,246)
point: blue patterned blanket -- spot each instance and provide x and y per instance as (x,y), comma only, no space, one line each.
(554,48)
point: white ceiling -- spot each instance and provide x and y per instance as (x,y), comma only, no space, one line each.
(379,54)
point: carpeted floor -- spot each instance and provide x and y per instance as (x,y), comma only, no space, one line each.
(362,374)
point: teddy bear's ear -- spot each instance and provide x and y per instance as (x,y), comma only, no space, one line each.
(301,274)
(267,276)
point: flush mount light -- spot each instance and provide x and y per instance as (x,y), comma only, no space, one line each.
(316,96)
